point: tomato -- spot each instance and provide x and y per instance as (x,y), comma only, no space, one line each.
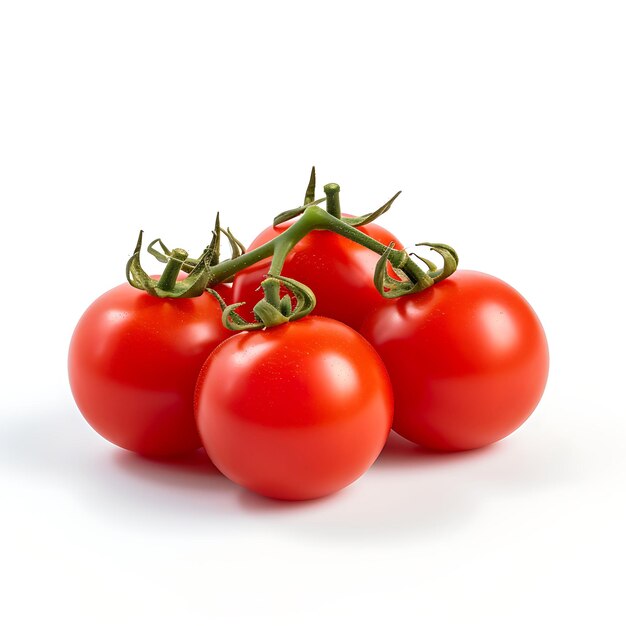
(339,271)
(225,290)
(133,364)
(296,411)
(468,360)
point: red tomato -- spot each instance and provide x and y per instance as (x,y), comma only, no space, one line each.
(294,412)
(468,360)
(133,364)
(339,271)
(225,290)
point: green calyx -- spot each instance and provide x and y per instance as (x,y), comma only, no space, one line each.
(332,205)
(309,200)
(200,270)
(412,278)
(370,217)
(168,286)
(236,247)
(271,311)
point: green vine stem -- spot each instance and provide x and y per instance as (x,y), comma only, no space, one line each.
(208,272)
(313,218)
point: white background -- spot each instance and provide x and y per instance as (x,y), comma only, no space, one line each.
(504,123)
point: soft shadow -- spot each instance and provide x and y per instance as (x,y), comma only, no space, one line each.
(408,491)
(260,504)
(195,463)
(411,491)
(115,483)
(400,452)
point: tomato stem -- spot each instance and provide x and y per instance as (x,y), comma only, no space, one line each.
(172,269)
(313,218)
(207,271)
(332,199)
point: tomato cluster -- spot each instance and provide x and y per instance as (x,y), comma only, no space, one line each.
(302,409)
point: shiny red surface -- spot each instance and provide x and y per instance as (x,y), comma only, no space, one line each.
(339,271)
(294,412)
(133,364)
(468,360)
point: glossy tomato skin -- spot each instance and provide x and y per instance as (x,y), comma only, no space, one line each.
(468,360)
(294,412)
(225,290)
(339,271)
(133,363)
